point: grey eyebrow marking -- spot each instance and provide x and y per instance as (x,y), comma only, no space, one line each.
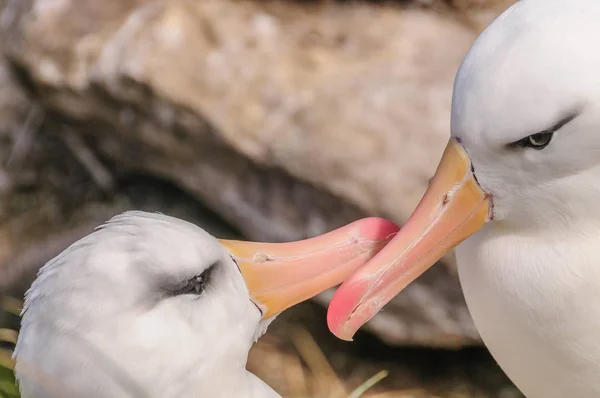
(561,123)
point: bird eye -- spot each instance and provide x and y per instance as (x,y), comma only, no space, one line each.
(536,141)
(539,140)
(196,284)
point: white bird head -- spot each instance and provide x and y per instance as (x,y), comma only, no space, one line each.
(152,306)
(524,152)
(527,100)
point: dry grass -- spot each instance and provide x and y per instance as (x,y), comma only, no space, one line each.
(308,374)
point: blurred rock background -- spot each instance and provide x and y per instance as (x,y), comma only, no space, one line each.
(267,120)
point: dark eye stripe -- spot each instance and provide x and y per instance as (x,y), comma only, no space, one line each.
(196,284)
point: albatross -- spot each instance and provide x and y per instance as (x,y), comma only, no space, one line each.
(517,192)
(153,306)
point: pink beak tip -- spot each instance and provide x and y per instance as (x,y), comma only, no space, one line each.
(339,313)
(338,327)
(345,298)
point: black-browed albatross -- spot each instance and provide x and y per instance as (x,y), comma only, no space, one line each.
(153,306)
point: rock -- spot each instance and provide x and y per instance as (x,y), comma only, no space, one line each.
(286,119)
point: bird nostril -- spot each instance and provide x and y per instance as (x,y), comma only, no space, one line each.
(445,199)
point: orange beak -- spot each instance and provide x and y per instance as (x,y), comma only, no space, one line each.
(280,275)
(453,208)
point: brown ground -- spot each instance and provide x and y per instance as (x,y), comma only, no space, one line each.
(301,336)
